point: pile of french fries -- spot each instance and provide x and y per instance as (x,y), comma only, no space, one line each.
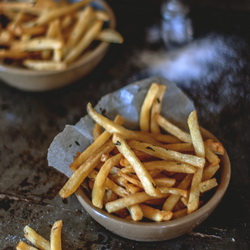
(39,242)
(158,173)
(49,35)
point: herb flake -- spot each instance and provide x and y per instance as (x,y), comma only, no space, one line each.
(150,148)
(117,143)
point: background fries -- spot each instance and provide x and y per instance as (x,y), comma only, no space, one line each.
(146,175)
(146,106)
(59,33)
(55,236)
(41,243)
(36,239)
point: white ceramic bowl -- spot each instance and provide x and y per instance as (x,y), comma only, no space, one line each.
(33,80)
(159,231)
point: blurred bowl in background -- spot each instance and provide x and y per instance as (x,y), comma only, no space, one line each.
(41,80)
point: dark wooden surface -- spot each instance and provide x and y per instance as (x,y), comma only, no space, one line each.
(213,70)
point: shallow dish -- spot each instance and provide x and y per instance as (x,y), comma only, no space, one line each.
(33,80)
(158,231)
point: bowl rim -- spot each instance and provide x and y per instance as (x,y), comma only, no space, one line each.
(81,61)
(205,209)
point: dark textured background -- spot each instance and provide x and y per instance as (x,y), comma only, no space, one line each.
(213,70)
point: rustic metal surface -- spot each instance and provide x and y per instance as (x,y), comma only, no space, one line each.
(216,77)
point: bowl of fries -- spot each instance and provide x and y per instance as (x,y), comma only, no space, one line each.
(48,44)
(151,184)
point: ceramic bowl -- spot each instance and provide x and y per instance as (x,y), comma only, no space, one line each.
(33,80)
(159,231)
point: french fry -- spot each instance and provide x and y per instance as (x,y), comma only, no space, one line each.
(132,189)
(97,131)
(195,133)
(5,37)
(113,128)
(130,200)
(110,184)
(119,180)
(99,187)
(143,156)
(20,6)
(115,188)
(86,40)
(36,239)
(170,166)
(209,171)
(173,129)
(104,158)
(25,37)
(24,246)
(101,15)
(57,55)
(67,21)
(135,212)
(164,182)
(154,173)
(55,236)
(19,30)
(199,148)
(15,23)
(47,4)
(100,141)
(176,191)
(15,5)
(207,185)
(141,172)
(216,147)
(44,65)
(184,201)
(211,157)
(165,138)
(146,107)
(54,30)
(46,17)
(156,109)
(114,170)
(82,172)
(180,147)
(172,200)
(155,214)
(78,29)
(37,44)
(165,154)
(110,36)
(194,195)
(124,163)
(131,179)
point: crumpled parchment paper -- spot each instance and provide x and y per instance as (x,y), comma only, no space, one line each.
(127,102)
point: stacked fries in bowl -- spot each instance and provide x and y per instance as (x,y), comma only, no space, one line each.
(149,185)
(48,44)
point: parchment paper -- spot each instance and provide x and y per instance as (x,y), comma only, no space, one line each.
(127,102)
